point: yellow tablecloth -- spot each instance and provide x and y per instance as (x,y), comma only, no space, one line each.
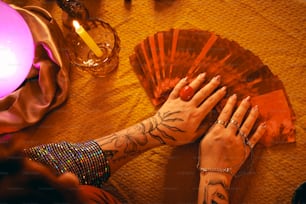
(273,30)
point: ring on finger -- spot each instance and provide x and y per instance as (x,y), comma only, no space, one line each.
(242,134)
(248,143)
(235,123)
(186,93)
(221,122)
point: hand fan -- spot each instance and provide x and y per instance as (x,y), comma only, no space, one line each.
(162,59)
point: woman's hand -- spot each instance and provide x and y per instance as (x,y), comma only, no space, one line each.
(228,144)
(179,121)
(225,148)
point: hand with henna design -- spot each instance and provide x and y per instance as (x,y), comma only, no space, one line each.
(225,148)
(178,121)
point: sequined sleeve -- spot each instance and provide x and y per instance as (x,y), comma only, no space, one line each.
(86,160)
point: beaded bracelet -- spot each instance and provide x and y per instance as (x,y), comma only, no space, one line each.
(86,160)
(216,170)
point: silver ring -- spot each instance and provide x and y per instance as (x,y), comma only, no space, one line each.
(235,123)
(250,145)
(221,122)
(247,142)
(242,134)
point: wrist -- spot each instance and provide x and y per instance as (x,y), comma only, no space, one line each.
(149,128)
(225,178)
(223,173)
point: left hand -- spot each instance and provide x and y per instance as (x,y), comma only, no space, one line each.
(178,121)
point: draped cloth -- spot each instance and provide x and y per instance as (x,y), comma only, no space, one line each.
(46,86)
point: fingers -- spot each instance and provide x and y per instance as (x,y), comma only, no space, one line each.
(260,131)
(249,122)
(195,85)
(212,101)
(206,91)
(188,91)
(239,114)
(194,91)
(175,92)
(232,121)
(227,111)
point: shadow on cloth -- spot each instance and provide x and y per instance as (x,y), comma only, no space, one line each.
(181,179)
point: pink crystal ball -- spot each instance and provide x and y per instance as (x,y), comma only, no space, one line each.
(16,49)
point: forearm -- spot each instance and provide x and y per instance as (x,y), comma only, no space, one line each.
(123,146)
(92,161)
(213,189)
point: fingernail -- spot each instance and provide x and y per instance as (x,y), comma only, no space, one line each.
(247,99)
(184,79)
(202,75)
(217,78)
(255,108)
(234,96)
(223,88)
(264,125)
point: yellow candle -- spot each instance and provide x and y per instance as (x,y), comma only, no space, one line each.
(87,39)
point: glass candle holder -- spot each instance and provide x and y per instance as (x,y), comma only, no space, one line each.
(85,59)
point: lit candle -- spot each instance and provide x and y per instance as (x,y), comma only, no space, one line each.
(87,39)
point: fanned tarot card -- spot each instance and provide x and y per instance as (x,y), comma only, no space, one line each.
(164,58)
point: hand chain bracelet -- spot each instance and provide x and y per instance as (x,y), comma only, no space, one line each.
(216,170)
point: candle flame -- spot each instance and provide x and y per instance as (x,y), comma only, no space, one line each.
(76,24)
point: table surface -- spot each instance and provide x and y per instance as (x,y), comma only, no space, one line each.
(99,106)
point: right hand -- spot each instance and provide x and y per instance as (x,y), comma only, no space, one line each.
(178,122)
(228,146)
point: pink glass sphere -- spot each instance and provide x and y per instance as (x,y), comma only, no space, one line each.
(16,49)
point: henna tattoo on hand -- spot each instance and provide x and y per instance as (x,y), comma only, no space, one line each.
(162,129)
